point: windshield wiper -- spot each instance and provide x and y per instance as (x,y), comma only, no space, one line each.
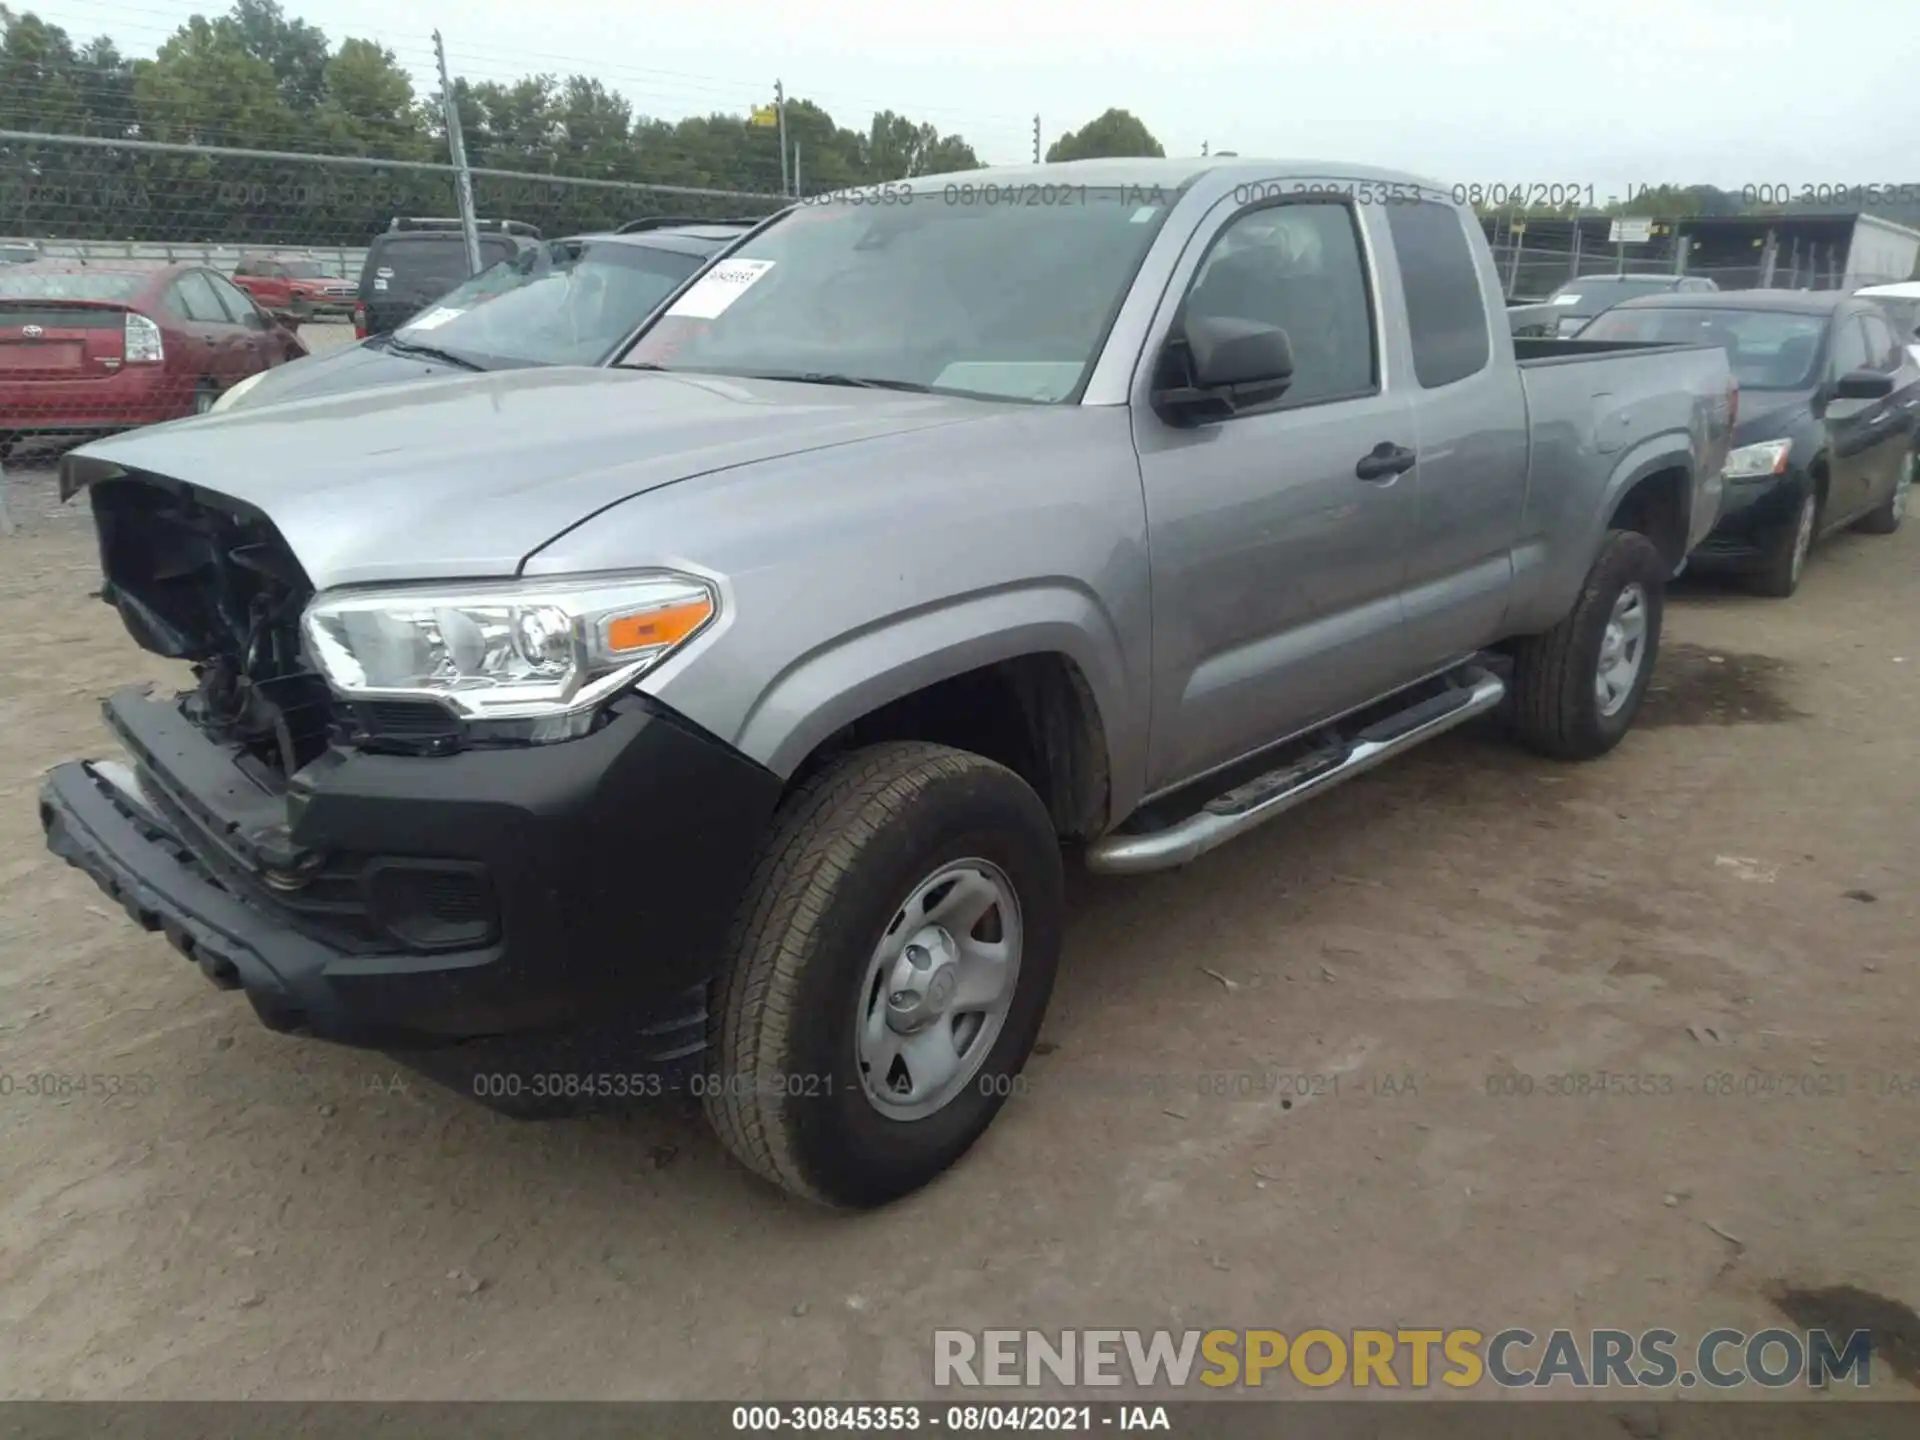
(429,352)
(857,382)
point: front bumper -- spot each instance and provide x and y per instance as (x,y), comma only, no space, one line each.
(613,864)
(1753,515)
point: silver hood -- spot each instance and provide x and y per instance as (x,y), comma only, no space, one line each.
(467,476)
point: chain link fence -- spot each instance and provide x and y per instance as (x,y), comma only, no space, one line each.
(136,318)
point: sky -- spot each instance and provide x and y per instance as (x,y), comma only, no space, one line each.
(1512,92)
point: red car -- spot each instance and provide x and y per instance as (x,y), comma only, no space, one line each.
(293,286)
(92,348)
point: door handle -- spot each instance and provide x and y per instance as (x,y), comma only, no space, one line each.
(1384,461)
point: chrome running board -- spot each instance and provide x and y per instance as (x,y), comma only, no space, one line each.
(1260,799)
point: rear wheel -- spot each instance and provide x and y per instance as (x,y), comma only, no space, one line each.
(1779,571)
(888,973)
(203,397)
(1886,519)
(1577,688)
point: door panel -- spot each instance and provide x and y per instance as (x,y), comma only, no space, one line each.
(1853,441)
(252,350)
(1470,487)
(1276,568)
(1890,421)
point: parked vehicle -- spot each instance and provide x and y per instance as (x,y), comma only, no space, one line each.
(294,288)
(560,302)
(1827,420)
(19,252)
(415,261)
(1902,306)
(1578,301)
(99,347)
(745,691)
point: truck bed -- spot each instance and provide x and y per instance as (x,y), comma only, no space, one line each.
(1598,412)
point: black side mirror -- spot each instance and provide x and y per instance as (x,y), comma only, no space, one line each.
(1863,385)
(1233,365)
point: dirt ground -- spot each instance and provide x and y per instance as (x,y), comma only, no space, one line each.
(1730,894)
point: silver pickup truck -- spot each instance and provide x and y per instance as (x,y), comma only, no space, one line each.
(744,694)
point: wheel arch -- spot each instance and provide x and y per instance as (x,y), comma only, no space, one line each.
(1035,693)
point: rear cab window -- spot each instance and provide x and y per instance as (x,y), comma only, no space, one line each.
(1446,314)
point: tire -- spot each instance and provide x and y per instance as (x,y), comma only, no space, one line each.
(203,397)
(1555,705)
(1779,571)
(786,1091)
(1886,519)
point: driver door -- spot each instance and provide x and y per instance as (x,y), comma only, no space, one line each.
(1277,568)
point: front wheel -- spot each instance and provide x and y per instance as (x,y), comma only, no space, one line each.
(1577,688)
(888,973)
(1785,561)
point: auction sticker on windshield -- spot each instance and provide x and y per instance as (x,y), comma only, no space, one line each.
(714,291)
(433,318)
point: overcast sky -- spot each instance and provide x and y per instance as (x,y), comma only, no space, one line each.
(1730,92)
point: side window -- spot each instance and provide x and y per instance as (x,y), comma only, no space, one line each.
(1849,347)
(245,267)
(1881,346)
(232,299)
(197,300)
(1445,313)
(1298,267)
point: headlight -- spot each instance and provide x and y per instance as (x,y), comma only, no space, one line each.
(526,660)
(231,396)
(1757,462)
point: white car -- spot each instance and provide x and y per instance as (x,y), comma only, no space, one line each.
(1902,304)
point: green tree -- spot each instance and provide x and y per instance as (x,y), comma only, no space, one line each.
(1117,132)
(368,106)
(895,148)
(297,51)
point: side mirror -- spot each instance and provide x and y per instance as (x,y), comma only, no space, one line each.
(1234,364)
(1863,385)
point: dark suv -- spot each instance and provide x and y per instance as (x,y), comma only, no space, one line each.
(415,261)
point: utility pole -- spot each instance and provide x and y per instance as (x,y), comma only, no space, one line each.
(780,104)
(1203,149)
(457,153)
(1036,139)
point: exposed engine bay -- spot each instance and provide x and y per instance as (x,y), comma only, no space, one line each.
(219,588)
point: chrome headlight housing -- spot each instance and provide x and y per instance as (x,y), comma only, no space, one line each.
(1758,462)
(530,660)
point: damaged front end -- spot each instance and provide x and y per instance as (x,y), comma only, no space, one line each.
(216,586)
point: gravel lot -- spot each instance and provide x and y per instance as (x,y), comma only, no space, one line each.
(1730,894)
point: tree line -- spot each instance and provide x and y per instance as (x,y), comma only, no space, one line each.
(256,78)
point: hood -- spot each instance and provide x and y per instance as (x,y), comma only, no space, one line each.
(357,367)
(468,476)
(1773,415)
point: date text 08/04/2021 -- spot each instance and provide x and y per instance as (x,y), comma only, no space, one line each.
(828,1419)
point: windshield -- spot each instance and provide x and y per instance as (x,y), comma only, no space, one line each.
(305,270)
(567,302)
(29,284)
(1767,349)
(949,291)
(1594,295)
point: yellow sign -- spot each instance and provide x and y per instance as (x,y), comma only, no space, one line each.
(765,115)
